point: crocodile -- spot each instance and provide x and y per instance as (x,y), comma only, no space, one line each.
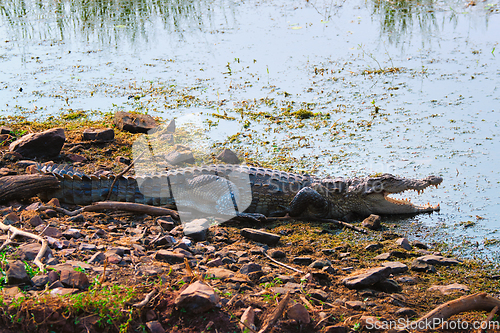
(228,189)
(225,189)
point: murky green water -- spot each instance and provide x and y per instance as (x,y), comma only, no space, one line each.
(410,88)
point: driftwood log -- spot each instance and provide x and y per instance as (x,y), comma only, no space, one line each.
(26,186)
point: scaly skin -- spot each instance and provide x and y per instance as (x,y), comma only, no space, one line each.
(221,188)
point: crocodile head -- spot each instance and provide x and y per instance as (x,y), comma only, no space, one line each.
(375,194)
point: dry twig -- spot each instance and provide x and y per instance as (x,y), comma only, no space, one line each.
(276,314)
(282,264)
(146,299)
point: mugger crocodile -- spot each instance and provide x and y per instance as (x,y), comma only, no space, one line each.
(246,190)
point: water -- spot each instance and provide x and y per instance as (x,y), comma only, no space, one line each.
(410,88)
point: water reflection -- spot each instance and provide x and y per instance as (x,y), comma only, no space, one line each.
(107,22)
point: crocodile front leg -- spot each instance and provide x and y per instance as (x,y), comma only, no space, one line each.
(308,199)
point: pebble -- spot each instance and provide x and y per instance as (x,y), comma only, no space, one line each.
(299,313)
(42,144)
(260,236)
(450,288)
(367,278)
(197,298)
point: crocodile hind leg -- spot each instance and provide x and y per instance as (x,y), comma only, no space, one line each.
(308,199)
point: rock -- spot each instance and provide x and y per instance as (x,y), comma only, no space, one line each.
(97,258)
(302,261)
(77,218)
(197,229)
(72,233)
(63,291)
(408,280)
(367,278)
(155,327)
(406,312)
(11,156)
(170,128)
(438,260)
(44,144)
(134,122)
(30,251)
(355,305)
(16,274)
(52,232)
(100,134)
(373,247)
(318,294)
(420,266)
(166,222)
(169,256)
(74,279)
(215,263)
(250,268)
(228,156)
(396,267)
(40,280)
(383,256)
(11,218)
(404,243)
(248,317)
(177,157)
(35,221)
(450,289)
(197,298)
(87,247)
(277,254)
(372,222)
(260,236)
(319,264)
(298,313)
(388,286)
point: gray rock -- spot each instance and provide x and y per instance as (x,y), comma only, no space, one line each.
(383,256)
(319,264)
(16,274)
(450,288)
(134,123)
(260,236)
(35,221)
(11,218)
(170,128)
(420,266)
(388,286)
(302,261)
(318,294)
(52,232)
(43,144)
(228,156)
(367,278)
(438,260)
(404,243)
(97,258)
(101,134)
(396,267)
(298,313)
(250,268)
(169,256)
(407,279)
(30,251)
(72,233)
(74,279)
(155,327)
(197,298)
(277,254)
(177,157)
(40,280)
(197,229)
(166,222)
(372,222)
(373,247)
(406,312)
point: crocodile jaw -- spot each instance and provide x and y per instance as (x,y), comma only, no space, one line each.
(381,203)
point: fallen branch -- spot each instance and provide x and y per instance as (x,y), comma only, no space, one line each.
(478,301)
(26,186)
(282,264)
(489,318)
(276,314)
(146,299)
(116,205)
(13,232)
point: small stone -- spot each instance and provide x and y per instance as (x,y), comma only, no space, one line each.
(396,267)
(76,158)
(407,279)
(260,236)
(383,256)
(319,264)
(228,156)
(420,266)
(373,247)
(72,233)
(52,232)
(134,122)
(87,247)
(372,222)
(250,268)
(74,279)
(197,229)
(367,278)
(176,157)
(54,202)
(101,134)
(30,251)
(388,286)
(197,298)
(438,260)
(35,221)
(170,128)
(40,280)
(318,294)
(42,144)
(404,243)
(165,222)
(302,261)
(248,318)
(97,258)
(277,254)
(79,218)
(16,274)
(63,291)
(155,327)
(299,313)
(450,289)
(215,263)
(169,256)
(355,305)
(11,218)
(406,312)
